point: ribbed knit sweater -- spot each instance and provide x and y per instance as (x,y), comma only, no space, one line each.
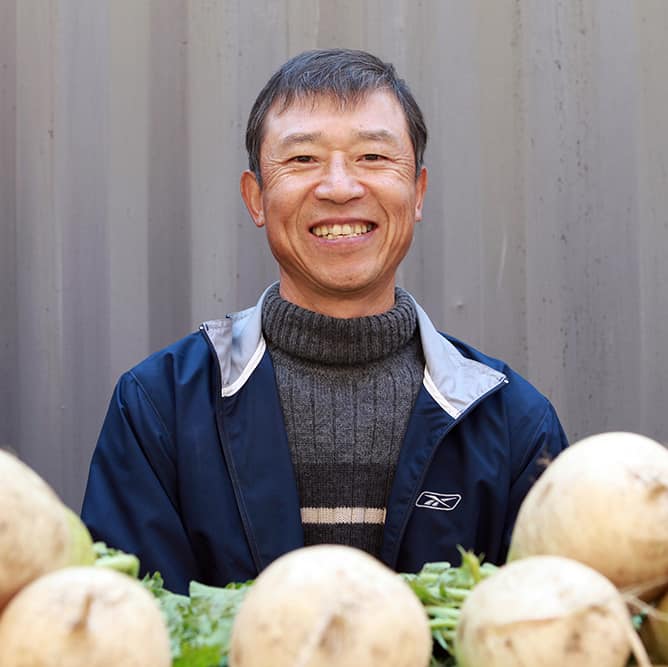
(347,387)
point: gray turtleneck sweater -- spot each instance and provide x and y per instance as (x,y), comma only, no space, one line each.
(347,387)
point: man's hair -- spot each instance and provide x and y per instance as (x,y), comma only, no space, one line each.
(346,75)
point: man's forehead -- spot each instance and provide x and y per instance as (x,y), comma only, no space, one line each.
(327,102)
(379,107)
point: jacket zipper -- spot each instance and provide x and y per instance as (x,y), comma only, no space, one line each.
(222,437)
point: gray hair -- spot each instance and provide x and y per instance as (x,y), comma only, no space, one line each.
(345,74)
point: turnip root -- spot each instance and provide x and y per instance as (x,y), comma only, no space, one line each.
(83,617)
(604,502)
(326,606)
(546,611)
(38,533)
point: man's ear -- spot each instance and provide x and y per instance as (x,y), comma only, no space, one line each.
(252,196)
(420,191)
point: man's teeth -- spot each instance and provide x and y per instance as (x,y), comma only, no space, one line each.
(335,231)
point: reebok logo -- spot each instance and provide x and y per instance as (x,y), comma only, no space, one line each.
(438,501)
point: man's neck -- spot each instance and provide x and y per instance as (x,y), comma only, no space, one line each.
(341,304)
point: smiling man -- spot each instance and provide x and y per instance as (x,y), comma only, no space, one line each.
(333,411)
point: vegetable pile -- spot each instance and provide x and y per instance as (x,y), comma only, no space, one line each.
(585,585)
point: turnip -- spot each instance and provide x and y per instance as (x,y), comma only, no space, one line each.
(546,611)
(326,606)
(83,617)
(38,533)
(604,502)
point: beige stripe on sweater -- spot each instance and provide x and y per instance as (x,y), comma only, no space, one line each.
(335,515)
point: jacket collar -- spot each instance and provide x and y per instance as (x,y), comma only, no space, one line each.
(453,381)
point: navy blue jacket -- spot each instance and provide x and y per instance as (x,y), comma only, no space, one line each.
(192,470)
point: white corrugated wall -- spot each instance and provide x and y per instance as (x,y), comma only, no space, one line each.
(121,145)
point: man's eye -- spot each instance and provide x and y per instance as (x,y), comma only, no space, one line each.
(372,157)
(302,158)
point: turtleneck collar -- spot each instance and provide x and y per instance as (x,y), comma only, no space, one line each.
(331,340)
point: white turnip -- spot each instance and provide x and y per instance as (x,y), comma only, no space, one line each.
(38,533)
(83,617)
(546,611)
(330,606)
(604,502)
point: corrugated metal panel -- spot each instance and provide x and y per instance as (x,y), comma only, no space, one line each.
(121,145)
(8,327)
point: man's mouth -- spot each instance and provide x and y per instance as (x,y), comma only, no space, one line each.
(344,230)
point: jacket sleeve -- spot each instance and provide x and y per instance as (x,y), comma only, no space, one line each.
(131,499)
(547,441)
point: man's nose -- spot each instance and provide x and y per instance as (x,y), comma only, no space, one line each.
(339,183)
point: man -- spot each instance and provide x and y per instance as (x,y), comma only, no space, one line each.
(332,411)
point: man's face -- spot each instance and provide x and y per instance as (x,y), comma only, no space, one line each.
(339,200)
